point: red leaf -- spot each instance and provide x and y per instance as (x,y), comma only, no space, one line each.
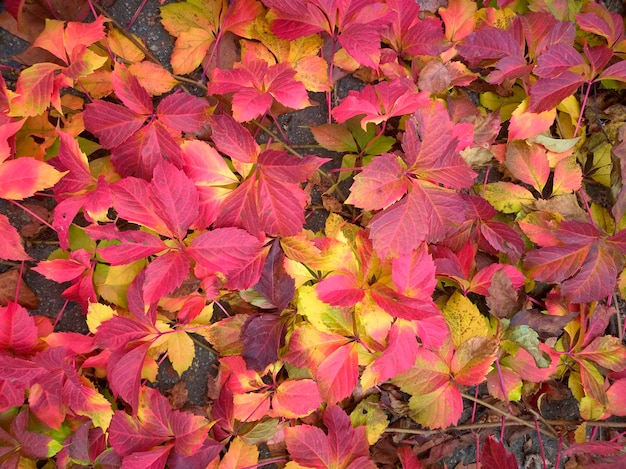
(380,184)
(17,329)
(340,289)
(494,455)
(228,251)
(255,84)
(410,35)
(557,59)
(124,373)
(337,375)
(430,149)
(164,274)
(182,112)
(276,285)
(11,248)
(488,43)
(598,20)
(175,198)
(397,358)
(231,138)
(547,93)
(131,199)
(414,274)
(381,102)
(64,270)
(262,335)
(131,93)
(71,158)
(287,401)
(111,123)
(311,447)
(428,213)
(134,245)
(356,24)
(144,150)
(617,71)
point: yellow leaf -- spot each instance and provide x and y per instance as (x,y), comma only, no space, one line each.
(322,316)
(97,313)
(112,281)
(240,455)
(123,47)
(313,73)
(507,197)
(181,351)
(368,413)
(464,319)
(98,84)
(154,78)
(190,49)
(459,18)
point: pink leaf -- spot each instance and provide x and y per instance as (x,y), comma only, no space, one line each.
(380,184)
(111,123)
(17,329)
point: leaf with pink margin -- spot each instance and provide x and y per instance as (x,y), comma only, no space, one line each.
(557,59)
(617,72)
(381,183)
(337,375)
(111,123)
(381,102)
(287,400)
(340,289)
(175,198)
(397,358)
(528,163)
(231,138)
(129,91)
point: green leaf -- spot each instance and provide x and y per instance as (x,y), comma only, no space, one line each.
(528,339)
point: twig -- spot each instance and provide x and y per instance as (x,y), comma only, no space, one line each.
(508,415)
(276,137)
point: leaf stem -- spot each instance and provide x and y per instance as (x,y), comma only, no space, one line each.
(507,415)
(32,214)
(276,137)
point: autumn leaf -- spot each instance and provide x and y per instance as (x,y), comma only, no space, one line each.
(381,102)
(342,447)
(255,85)
(136,146)
(355,24)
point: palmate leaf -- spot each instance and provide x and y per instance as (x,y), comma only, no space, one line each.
(343,447)
(255,85)
(381,102)
(137,147)
(356,24)
(408,34)
(270,198)
(586,265)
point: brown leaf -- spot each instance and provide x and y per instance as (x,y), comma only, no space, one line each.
(546,325)
(178,395)
(566,205)
(503,300)
(8,285)
(331,204)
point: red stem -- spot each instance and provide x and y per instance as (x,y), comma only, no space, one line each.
(32,214)
(136,15)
